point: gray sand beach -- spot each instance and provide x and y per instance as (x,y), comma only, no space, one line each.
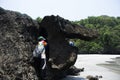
(107,66)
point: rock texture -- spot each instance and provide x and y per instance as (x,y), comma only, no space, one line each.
(62,55)
(18,34)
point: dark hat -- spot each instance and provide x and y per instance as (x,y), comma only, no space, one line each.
(41,38)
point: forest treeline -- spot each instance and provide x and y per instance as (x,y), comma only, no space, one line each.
(108,41)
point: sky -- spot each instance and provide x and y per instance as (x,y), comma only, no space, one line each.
(68,9)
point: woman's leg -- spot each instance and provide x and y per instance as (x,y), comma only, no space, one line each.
(43,69)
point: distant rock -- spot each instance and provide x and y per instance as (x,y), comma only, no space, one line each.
(89,77)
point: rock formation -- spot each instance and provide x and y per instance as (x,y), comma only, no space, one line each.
(62,54)
(18,34)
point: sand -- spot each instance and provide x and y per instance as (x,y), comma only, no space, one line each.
(107,66)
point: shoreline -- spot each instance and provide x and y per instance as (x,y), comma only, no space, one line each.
(93,66)
(98,54)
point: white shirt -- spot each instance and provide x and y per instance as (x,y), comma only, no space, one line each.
(39,50)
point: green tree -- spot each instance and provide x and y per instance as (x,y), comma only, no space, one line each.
(109,38)
(39,19)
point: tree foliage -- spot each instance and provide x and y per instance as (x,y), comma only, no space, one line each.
(39,19)
(109,38)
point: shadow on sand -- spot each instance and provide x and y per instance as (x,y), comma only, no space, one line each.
(74,78)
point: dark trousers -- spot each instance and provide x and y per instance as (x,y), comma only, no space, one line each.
(38,65)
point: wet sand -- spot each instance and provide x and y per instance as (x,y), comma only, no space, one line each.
(107,66)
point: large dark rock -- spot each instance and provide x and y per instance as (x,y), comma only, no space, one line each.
(18,34)
(62,55)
